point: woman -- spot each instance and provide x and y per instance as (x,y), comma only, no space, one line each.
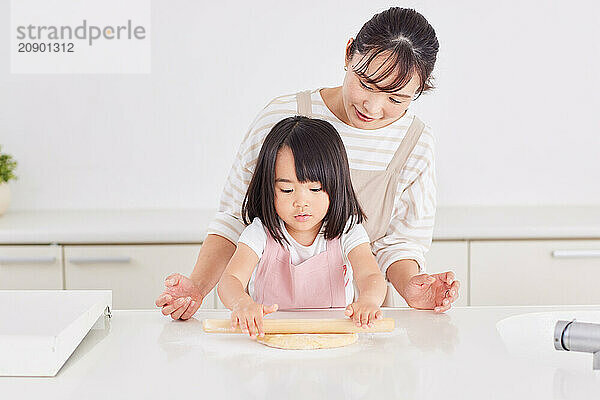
(390,151)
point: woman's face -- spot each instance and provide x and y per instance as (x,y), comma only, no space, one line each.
(368,108)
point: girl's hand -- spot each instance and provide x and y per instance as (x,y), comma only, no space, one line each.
(363,313)
(181,298)
(249,316)
(432,292)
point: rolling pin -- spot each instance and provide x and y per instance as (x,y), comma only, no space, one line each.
(344,325)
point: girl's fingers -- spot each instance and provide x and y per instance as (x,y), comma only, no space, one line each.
(234,321)
(253,327)
(371,319)
(244,325)
(378,314)
(270,309)
(349,311)
(358,315)
(249,324)
(364,319)
(261,328)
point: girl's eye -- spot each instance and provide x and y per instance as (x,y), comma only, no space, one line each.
(316,189)
(393,100)
(286,190)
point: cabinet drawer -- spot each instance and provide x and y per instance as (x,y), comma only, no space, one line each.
(135,273)
(535,272)
(31,267)
(441,257)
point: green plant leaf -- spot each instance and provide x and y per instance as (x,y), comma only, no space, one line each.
(7,167)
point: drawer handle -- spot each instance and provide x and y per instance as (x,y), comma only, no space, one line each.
(27,260)
(99,260)
(576,254)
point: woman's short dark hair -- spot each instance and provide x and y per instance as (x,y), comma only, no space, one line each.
(408,40)
(319,156)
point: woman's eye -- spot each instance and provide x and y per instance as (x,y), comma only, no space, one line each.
(316,189)
(286,190)
(365,86)
(395,101)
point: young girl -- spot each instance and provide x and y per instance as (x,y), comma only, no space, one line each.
(305,244)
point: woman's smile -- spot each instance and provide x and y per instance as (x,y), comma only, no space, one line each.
(362,116)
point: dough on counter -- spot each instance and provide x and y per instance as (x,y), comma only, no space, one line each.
(308,341)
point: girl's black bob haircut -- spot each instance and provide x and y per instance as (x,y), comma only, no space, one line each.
(319,156)
(408,42)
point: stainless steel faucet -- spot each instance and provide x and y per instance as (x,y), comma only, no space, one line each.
(578,336)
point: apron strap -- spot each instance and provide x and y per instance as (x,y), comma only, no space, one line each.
(304,103)
(406,146)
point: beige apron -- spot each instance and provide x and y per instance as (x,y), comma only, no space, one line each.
(376,190)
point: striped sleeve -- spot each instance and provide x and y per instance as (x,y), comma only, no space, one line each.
(411,228)
(228,221)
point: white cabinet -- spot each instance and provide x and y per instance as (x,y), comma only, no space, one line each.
(31,267)
(535,272)
(445,256)
(491,272)
(135,273)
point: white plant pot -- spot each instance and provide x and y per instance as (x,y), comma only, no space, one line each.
(4,197)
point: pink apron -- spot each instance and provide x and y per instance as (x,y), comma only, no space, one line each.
(315,283)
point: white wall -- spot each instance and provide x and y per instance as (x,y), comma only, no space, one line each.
(515,113)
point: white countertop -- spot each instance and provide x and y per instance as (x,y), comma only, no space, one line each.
(189,226)
(104,226)
(457,355)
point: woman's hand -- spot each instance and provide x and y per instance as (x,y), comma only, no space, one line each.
(431,292)
(181,298)
(249,316)
(363,312)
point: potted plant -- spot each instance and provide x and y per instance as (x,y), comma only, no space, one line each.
(7,168)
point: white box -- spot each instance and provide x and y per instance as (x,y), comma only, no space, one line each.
(40,329)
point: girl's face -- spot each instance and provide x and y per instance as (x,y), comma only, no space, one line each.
(365,106)
(302,206)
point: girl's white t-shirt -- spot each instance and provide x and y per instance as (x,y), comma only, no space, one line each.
(255,237)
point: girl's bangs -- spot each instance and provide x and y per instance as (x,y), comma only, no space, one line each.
(311,159)
(308,167)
